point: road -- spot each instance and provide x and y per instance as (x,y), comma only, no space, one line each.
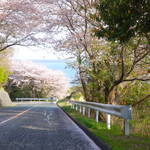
(40,126)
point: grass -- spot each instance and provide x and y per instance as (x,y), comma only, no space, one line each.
(113,137)
(12,105)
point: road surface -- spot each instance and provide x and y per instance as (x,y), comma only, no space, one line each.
(40,126)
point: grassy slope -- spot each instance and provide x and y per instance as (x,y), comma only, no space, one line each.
(113,137)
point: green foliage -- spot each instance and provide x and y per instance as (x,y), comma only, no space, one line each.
(133,91)
(122,19)
(26,91)
(77,96)
(76,92)
(3,75)
(109,69)
(4,66)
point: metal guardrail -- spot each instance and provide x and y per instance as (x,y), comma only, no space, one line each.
(122,111)
(35,99)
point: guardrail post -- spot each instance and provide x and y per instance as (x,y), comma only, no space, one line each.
(126,127)
(83,111)
(97,114)
(108,121)
(76,107)
(80,108)
(89,112)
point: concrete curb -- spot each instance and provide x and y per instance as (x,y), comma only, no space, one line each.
(101,144)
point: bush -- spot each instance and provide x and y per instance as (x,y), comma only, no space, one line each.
(3,75)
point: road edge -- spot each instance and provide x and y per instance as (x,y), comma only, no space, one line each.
(101,144)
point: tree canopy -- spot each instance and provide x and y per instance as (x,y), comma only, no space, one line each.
(33,80)
(122,19)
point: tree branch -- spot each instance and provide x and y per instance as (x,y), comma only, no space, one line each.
(15,43)
(135,79)
(141,100)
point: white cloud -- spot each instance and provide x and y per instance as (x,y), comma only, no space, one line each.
(36,53)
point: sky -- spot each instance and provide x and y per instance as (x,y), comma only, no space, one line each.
(36,53)
(49,58)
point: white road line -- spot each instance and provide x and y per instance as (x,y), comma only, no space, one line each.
(16,116)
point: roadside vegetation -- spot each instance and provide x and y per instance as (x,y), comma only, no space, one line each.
(4,73)
(113,137)
(4,67)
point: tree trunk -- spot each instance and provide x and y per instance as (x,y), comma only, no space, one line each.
(112,96)
(83,84)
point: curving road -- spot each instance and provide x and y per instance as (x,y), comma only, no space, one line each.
(40,126)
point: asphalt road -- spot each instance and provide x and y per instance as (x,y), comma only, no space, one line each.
(41,126)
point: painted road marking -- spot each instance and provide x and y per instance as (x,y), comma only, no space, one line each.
(16,116)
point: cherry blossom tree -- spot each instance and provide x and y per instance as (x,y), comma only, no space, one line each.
(24,22)
(29,79)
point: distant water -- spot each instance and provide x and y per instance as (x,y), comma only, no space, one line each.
(58,65)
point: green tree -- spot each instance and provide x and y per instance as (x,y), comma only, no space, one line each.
(3,75)
(122,19)
(4,66)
